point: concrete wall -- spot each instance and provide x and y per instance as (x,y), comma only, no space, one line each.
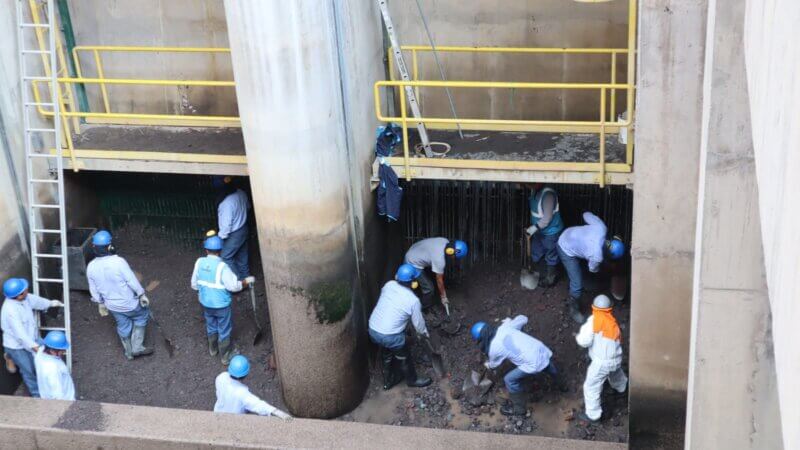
(664,209)
(516,23)
(773,57)
(178,23)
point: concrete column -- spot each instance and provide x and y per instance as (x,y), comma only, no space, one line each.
(287,64)
(668,116)
(732,400)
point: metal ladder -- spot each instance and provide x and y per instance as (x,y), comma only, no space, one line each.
(401,67)
(45,169)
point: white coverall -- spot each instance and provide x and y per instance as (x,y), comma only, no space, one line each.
(606,355)
(53,378)
(235,398)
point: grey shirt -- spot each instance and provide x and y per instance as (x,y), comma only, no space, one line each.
(428,253)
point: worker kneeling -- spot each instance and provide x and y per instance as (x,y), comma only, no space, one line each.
(215,281)
(529,354)
(235,398)
(601,335)
(396,306)
(52,375)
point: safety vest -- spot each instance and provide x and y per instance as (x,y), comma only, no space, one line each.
(209,279)
(535,201)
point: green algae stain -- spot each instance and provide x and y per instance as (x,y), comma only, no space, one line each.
(331,300)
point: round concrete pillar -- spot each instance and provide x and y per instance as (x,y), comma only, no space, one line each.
(286,66)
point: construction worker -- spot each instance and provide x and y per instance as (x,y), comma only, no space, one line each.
(546,226)
(601,335)
(52,374)
(232,220)
(397,306)
(215,281)
(432,253)
(20,332)
(114,287)
(585,242)
(235,398)
(529,355)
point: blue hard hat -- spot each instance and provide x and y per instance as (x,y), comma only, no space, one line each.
(56,340)
(461,249)
(616,248)
(214,243)
(14,286)
(407,272)
(475,331)
(239,366)
(101,238)
(218,181)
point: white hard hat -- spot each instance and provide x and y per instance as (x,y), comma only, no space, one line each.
(602,302)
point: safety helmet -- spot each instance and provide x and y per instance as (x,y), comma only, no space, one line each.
(214,243)
(615,248)
(407,272)
(219,182)
(56,340)
(101,238)
(602,302)
(14,286)
(475,331)
(459,249)
(239,366)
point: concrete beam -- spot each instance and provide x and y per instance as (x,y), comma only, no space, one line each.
(151,166)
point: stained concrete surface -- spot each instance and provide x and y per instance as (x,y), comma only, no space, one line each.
(205,140)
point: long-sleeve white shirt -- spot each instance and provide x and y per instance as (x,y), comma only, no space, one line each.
(228,278)
(396,305)
(428,253)
(112,282)
(235,398)
(600,347)
(526,352)
(18,322)
(53,377)
(585,241)
(232,213)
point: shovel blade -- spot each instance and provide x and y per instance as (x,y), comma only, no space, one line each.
(528,280)
(258,337)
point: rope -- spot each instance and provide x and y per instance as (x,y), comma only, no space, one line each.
(420,151)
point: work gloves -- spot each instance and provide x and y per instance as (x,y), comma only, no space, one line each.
(531,230)
(282,415)
(144,301)
(56,304)
(249,281)
(101,308)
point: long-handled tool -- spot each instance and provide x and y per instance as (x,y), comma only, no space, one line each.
(529,280)
(434,351)
(260,333)
(167,340)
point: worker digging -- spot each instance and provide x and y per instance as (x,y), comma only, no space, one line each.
(431,254)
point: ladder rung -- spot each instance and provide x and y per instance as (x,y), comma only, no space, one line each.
(51,328)
(39,180)
(42,155)
(45,230)
(47,255)
(50,105)
(50,280)
(36,78)
(34,25)
(41,130)
(36,52)
(45,205)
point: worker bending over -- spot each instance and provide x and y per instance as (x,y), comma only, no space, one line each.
(54,380)
(20,332)
(114,286)
(235,398)
(585,242)
(432,253)
(546,226)
(601,335)
(397,306)
(529,355)
(232,221)
(215,281)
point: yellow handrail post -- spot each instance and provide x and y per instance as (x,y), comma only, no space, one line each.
(67,133)
(602,137)
(100,75)
(614,91)
(404,121)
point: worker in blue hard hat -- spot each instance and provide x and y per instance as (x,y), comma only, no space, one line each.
(232,208)
(432,254)
(215,281)
(587,242)
(528,354)
(397,306)
(52,374)
(115,288)
(235,398)
(20,329)
(546,226)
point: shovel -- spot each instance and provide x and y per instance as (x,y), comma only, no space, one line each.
(167,341)
(435,353)
(527,279)
(260,333)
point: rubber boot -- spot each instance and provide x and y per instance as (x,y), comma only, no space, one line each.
(390,375)
(127,349)
(582,417)
(137,342)
(226,351)
(213,344)
(549,277)
(574,312)
(517,406)
(410,373)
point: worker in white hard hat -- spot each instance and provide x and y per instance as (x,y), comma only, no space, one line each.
(601,335)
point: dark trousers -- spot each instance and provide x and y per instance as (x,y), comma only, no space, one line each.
(427,288)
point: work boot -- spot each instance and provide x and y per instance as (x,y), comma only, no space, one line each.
(213,347)
(574,312)
(407,366)
(126,348)
(517,406)
(582,417)
(226,350)
(390,375)
(10,366)
(549,277)
(137,342)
